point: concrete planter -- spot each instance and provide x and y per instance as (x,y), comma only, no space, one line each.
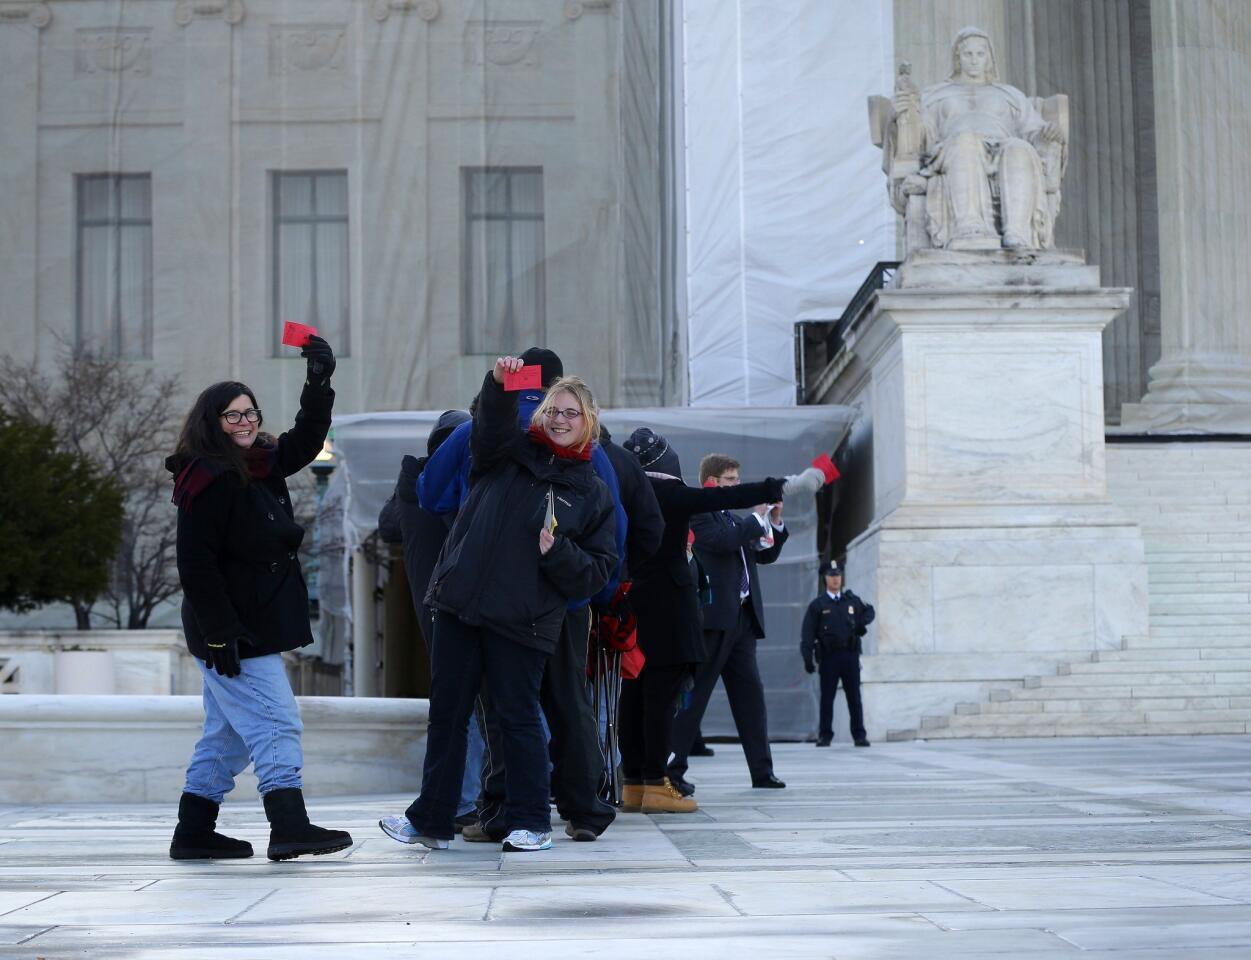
(133,749)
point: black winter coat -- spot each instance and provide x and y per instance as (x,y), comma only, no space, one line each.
(422,534)
(237,545)
(645,524)
(719,538)
(490,572)
(664,597)
(831,625)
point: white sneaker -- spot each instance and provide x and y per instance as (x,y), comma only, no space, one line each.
(401,829)
(525,841)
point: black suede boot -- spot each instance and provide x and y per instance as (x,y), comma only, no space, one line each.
(290,833)
(195,837)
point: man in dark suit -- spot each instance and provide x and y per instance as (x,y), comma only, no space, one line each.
(730,547)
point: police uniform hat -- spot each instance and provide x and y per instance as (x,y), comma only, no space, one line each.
(831,569)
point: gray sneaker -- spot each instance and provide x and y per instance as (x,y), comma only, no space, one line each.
(527,841)
(401,828)
(581,834)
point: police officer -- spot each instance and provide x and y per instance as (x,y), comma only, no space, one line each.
(833,626)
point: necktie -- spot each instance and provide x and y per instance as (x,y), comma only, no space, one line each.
(744,580)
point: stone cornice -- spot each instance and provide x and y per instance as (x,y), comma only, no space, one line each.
(230,11)
(426,9)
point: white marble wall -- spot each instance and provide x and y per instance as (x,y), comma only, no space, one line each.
(138,661)
(134,749)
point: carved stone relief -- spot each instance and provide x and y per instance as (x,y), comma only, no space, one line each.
(426,9)
(109,50)
(229,10)
(575,8)
(36,14)
(503,43)
(307,48)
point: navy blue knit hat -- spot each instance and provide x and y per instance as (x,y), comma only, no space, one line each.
(653,452)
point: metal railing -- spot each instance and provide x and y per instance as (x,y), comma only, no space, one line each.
(828,335)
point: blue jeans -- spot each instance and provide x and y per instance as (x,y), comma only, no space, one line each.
(460,657)
(471,783)
(249,718)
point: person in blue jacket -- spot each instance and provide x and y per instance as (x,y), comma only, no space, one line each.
(577,759)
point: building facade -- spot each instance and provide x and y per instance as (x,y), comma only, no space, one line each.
(430,184)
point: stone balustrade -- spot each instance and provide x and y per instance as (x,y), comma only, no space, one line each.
(131,749)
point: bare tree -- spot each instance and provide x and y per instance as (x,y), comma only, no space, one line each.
(118,415)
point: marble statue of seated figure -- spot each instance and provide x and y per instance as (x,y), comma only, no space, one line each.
(983,149)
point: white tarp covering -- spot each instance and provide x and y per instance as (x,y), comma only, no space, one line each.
(785,201)
(768,442)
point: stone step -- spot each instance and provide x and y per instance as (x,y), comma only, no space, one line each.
(1136,714)
(1207,633)
(1196,568)
(1136,654)
(1202,604)
(1107,705)
(1143,677)
(1190,618)
(1139,685)
(1205,584)
(1198,639)
(1079,727)
(1104,691)
(1158,554)
(1186,664)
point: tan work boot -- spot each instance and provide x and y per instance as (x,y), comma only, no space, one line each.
(663,797)
(631,797)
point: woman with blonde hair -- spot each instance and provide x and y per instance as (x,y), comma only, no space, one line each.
(536,531)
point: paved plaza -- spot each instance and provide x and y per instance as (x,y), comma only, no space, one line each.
(1096,848)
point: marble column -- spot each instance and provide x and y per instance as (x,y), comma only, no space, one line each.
(1202,62)
(1100,55)
(20,24)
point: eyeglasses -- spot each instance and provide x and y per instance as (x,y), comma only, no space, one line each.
(251,414)
(553,414)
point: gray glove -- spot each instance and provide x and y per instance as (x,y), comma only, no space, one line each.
(810,481)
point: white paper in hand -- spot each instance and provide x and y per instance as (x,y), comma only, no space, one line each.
(549,521)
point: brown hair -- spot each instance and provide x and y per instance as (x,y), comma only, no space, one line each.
(589,421)
(716,464)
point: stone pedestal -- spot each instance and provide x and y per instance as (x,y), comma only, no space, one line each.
(994,552)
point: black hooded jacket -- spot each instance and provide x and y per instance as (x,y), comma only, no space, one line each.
(665,596)
(403,520)
(490,571)
(237,543)
(646,525)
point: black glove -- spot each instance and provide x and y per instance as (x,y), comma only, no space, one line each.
(223,657)
(809,666)
(320,360)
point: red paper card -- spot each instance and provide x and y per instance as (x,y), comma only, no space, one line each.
(529,377)
(297,334)
(826,466)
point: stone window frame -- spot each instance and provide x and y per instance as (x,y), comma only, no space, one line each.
(112,343)
(342,336)
(477,337)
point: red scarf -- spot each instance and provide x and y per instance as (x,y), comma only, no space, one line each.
(541,439)
(197,474)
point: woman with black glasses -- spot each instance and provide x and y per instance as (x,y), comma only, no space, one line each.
(244,603)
